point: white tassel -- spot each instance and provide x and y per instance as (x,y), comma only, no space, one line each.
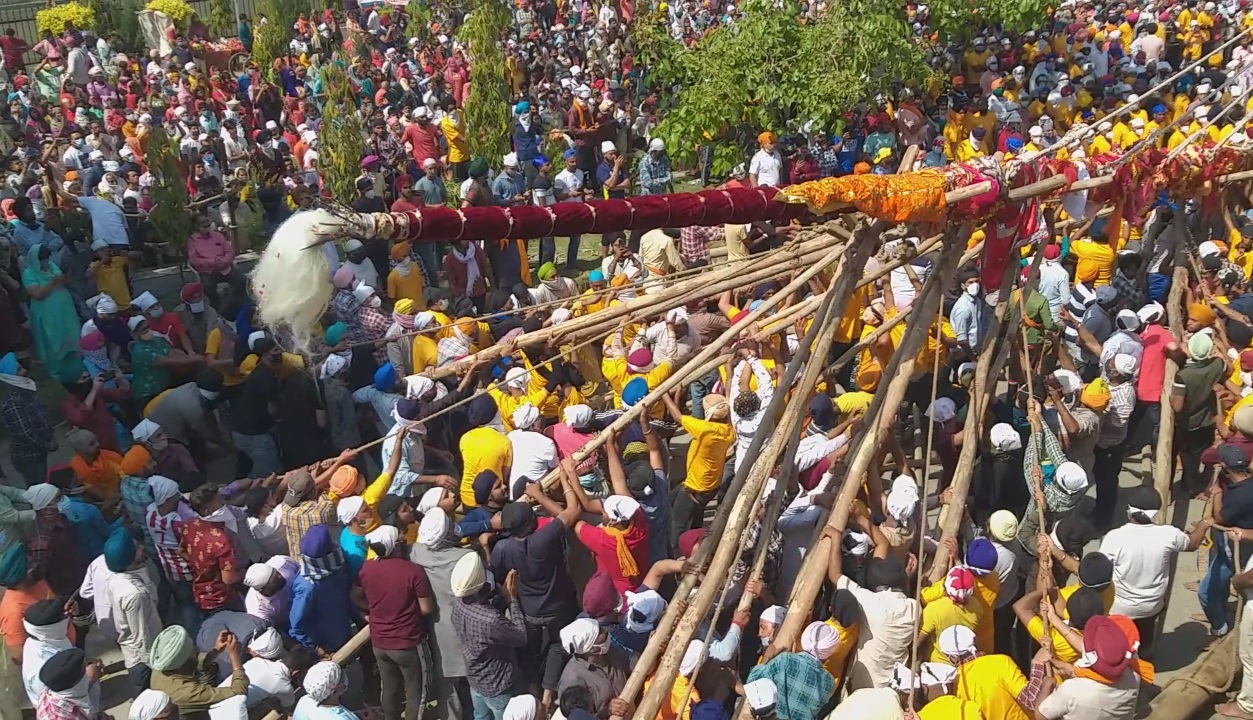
(291,283)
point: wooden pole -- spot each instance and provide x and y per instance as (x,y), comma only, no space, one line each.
(814,569)
(763,466)
(1193,688)
(1164,457)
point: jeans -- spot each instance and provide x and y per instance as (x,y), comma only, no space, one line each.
(1107,465)
(234,278)
(489,708)
(687,511)
(1214,587)
(404,677)
(140,676)
(1189,444)
(699,388)
(33,470)
(262,450)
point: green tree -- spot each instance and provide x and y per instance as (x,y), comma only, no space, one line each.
(126,23)
(221,18)
(169,216)
(960,20)
(487,105)
(270,40)
(770,72)
(104,13)
(341,142)
(419,20)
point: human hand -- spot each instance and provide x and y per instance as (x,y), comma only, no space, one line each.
(619,708)
(510,586)
(741,617)
(346,455)
(220,643)
(753,587)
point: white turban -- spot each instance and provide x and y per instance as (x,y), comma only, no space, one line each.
(106,306)
(560,315)
(163,488)
(942,410)
(861,542)
(1126,364)
(1151,312)
(1071,477)
(643,610)
(577,416)
(254,337)
(956,641)
(333,365)
(145,430)
(468,575)
(267,645)
(677,316)
(903,498)
(620,508)
(580,636)
(40,496)
(820,640)
(148,705)
(134,322)
(761,694)
(774,614)
(323,679)
(348,508)
(145,301)
(935,673)
(525,416)
(511,160)
(521,707)
(691,658)
(518,378)
(258,575)
(384,535)
(1069,381)
(422,319)
(434,527)
(1005,438)
(363,292)
(430,499)
(417,385)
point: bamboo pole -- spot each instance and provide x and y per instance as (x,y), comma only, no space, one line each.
(1191,690)
(1164,458)
(763,466)
(883,409)
(838,293)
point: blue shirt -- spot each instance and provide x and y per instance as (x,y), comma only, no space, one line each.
(321,613)
(355,550)
(90,529)
(850,151)
(603,171)
(505,187)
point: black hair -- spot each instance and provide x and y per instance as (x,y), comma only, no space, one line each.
(201,497)
(62,477)
(576,697)
(255,499)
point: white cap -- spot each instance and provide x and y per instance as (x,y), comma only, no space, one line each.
(511,160)
(607,146)
(95,155)
(421,111)
(429,162)
(656,145)
(1209,248)
(942,410)
(271,125)
(145,301)
(762,695)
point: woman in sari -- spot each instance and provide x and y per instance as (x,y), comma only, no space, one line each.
(53,321)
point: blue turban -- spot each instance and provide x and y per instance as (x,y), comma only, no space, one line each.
(1014,144)
(481,411)
(634,391)
(521,107)
(119,550)
(593,276)
(539,161)
(569,154)
(8,364)
(385,378)
(13,565)
(981,555)
(316,542)
(335,333)
(1159,108)
(483,484)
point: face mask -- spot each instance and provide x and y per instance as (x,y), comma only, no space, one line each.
(600,648)
(159,445)
(972,289)
(196,307)
(208,394)
(155,312)
(374,301)
(80,143)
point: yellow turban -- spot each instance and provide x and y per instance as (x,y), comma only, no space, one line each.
(1095,395)
(1201,313)
(466,325)
(405,306)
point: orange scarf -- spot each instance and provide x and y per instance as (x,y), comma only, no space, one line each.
(626,561)
(1143,668)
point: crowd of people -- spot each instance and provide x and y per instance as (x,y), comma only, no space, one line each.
(502,573)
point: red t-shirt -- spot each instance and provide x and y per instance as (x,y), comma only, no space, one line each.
(425,139)
(1152,363)
(169,324)
(392,587)
(208,551)
(605,547)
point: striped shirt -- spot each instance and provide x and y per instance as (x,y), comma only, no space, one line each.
(165,531)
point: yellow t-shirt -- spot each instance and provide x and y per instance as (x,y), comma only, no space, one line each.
(213,348)
(455,134)
(856,401)
(706,453)
(850,322)
(410,287)
(617,375)
(1062,650)
(834,664)
(110,277)
(1245,401)
(1107,597)
(993,682)
(944,613)
(986,589)
(1096,260)
(950,707)
(483,448)
(508,404)
(425,352)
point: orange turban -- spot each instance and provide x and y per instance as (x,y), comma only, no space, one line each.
(767,137)
(466,325)
(861,168)
(1143,667)
(400,251)
(346,482)
(618,280)
(135,460)
(1201,313)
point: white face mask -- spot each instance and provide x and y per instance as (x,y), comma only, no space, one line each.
(159,445)
(972,289)
(374,301)
(196,307)
(155,312)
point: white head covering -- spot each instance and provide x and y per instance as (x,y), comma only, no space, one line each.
(385,535)
(145,430)
(253,337)
(134,322)
(1003,526)
(40,496)
(163,488)
(518,378)
(1126,364)
(1069,381)
(430,499)
(323,679)
(521,707)
(935,673)
(1151,312)
(258,575)
(511,160)
(607,146)
(620,508)
(577,416)
(560,315)
(525,416)
(942,410)
(1071,477)
(579,637)
(643,610)
(362,292)
(145,301)
(105,305)
(333,365)
(761,694)
(691,658)
(903,498)
(1005,438)
(956,641)
(468,575)
(148,705)
(820,640)
(434,527)
(348,508)
(774,614)
(267,645)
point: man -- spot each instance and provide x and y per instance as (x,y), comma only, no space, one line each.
(654,170)
(107,221)
(969,316)
(509,187)
(212,256)
(766,167)
(189,679)
(254,409)
(321,612)
(804,686)
(490,638)
(581,124)
(1108,688)
(209,551)
(595,663)
(804,165)
(438,554)
(25,422)
(423,136)
(13,47)
(528,134)
(570,185)
(1192,398)
(1119,371)
(659,251)
(133,597)
(398,598)
(187,413)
